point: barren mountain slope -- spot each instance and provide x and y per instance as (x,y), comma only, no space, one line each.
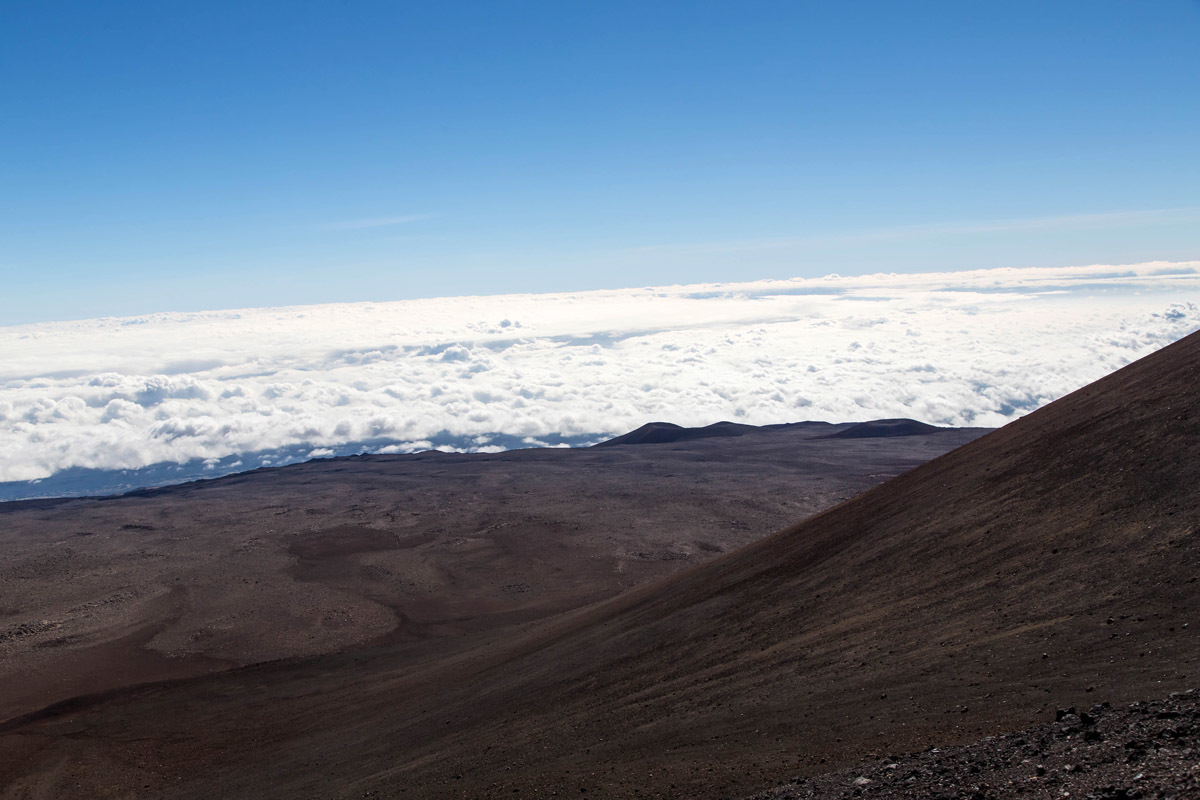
(317,557)
(1051,563)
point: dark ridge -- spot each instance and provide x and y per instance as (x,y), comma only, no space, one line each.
(885,427)
(663,432)
(74,705)
(666,432)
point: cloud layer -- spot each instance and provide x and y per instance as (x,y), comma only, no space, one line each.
(965,348)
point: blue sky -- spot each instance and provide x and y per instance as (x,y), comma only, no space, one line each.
(178,156)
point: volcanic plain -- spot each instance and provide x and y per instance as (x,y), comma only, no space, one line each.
(318,557)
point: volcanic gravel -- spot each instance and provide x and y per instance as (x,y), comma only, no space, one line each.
(1142,750)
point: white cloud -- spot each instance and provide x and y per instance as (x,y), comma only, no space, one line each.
(979,347)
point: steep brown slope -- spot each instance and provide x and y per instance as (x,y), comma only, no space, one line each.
(1051,563)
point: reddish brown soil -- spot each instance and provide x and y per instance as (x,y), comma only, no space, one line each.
(1050,564)
(319,557)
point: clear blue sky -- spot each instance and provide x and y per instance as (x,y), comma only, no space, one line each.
(176,156)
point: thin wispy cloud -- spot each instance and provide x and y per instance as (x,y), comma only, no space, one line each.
(1052,222)
(375,222)
(1060,222)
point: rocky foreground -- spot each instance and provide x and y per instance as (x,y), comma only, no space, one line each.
(1143,750)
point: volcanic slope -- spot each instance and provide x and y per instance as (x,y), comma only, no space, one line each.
(332,554)
(1051,563)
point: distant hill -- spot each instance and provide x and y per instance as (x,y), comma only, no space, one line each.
(667,432)
(885,427)
(663,432)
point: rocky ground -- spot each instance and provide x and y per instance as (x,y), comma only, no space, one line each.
(1141,750)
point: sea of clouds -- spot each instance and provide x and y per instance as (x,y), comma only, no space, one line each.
(964,348)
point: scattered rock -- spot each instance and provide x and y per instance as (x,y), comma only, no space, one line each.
(1139,751)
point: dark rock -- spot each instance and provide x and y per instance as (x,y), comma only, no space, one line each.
(1042,762)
